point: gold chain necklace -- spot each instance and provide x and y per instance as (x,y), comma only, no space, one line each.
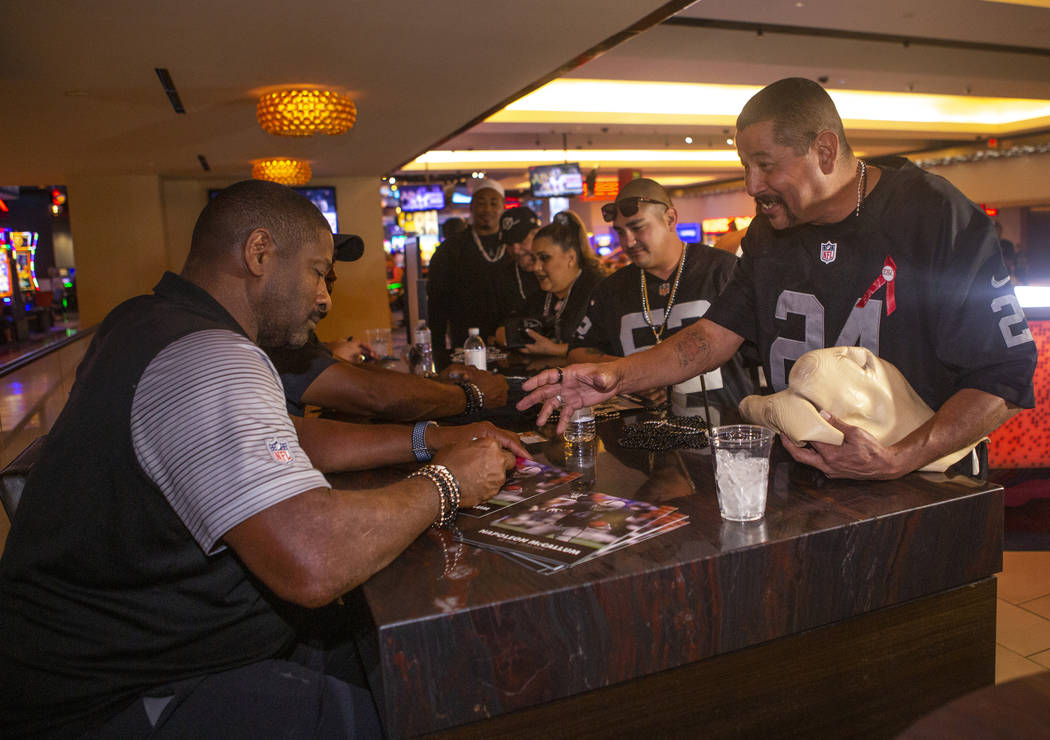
(862,184)
(667,311)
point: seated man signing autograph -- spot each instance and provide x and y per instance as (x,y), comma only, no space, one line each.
(178,530)
(844,252)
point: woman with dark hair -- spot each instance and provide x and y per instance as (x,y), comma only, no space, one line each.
(567,270)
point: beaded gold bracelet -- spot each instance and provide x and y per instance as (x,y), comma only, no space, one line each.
(448,491)
(453,487)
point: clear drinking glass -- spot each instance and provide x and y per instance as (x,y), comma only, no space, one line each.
(741,459)
(380,341)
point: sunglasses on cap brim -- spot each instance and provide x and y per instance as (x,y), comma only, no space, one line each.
(627,207)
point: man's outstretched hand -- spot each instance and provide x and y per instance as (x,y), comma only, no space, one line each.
(580,385)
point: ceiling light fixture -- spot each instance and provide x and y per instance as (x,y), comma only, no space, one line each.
(305,112)
(582,101)
(494,159)
(282,170)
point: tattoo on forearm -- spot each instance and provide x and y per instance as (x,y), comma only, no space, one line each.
(691,349)
(594,351)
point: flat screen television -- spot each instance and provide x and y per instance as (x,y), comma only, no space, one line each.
(322,197)
(422,197)
(689,233)
(556,180)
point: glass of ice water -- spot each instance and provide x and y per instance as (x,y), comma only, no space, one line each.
(741,457)
(380,341)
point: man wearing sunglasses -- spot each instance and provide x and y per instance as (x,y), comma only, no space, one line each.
(667,287)
(847,253)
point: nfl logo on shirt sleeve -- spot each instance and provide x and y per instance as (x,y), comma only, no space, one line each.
(827,252)
(279,451)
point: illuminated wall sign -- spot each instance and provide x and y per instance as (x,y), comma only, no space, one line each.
(605,188)
(722,225)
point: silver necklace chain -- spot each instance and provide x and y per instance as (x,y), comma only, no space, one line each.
(670,301)
(477,241)
(517,274)
(560,306)
(862,184)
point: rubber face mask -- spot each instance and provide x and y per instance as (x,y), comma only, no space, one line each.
(853,385)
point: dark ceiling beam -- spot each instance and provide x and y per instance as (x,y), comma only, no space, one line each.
(895,39)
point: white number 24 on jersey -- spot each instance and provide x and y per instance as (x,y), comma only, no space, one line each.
(861,329)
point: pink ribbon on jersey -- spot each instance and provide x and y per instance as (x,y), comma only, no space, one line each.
(886,277)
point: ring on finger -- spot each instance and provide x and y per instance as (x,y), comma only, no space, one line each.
(560,375)
(558,398)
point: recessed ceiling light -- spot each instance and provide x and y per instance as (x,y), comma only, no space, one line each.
(680,103)
(510,159)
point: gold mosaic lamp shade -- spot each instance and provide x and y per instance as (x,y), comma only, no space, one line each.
(282,170)
(305,112)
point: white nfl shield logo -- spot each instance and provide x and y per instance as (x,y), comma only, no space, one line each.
(827,251)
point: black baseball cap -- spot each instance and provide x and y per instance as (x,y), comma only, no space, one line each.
(348,247)
(516,223)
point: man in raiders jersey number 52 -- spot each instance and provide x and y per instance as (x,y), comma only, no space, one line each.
(844,252)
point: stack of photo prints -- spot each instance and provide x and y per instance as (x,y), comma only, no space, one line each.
(537,520)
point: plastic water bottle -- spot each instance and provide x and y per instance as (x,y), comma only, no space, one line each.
(581,426)
(474,350)
(422,354)
(579,458)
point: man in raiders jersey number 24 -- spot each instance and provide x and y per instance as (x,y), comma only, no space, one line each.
(845,252)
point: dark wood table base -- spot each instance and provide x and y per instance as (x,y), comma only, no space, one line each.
(870,676)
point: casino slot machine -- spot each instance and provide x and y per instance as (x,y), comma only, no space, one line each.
(7,284)
(23,245)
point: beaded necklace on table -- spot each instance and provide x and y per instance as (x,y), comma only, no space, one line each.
(674,294)
(499,252)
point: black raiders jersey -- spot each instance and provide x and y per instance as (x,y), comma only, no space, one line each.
(615,321)
(917,278)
